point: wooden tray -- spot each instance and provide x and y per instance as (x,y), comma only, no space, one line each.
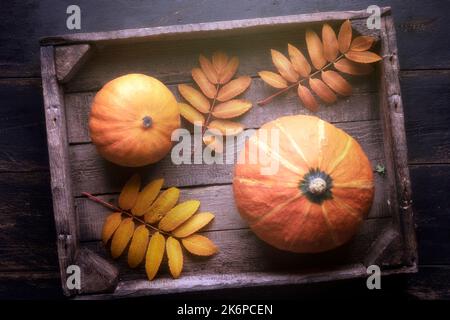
(75,66)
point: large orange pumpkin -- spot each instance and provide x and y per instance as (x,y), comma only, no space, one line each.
(319,195)
(132,119)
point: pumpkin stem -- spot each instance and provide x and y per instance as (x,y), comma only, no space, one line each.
(317,186)
(147,122)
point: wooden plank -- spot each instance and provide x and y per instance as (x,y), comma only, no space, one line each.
(69,59)
(27,229)
(363,105)
(91,173)
(152,57)
(425,99)
(240,251)
(65,220)
(195,30)
(216,199)
(432,206)
(253,280)
(20,57)
(23,139)
(392,107)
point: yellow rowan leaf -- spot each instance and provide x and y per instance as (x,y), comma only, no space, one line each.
(231,109)
(330,43)
(229,71)
(284,66)
(194,97)
(226,127)
(165,201)
(155,254)
(203,83)
(191,114)
(234,88)
(345,36)
(146,197)
(213,143)
(208,69)
(307,98)
(121,237)
(219,61)
(362,56)
(129,193)
(362,43)
(322,90)
(353,68)
(195,223)
(315,49)
(337,83)
(178,214)
(299,62)
(175,256)
(138,246)
(112,222)
(273,79)
(199,245)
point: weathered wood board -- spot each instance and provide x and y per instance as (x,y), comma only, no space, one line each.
(373,115)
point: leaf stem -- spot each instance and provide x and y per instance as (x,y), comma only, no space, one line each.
(276,94)
(114,208)
(211,109)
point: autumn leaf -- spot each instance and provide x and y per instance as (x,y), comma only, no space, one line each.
(322,90)
(362,56)
(194,97)
(146,197)
(315,49)
(324,54)
(226,127)
(284,66)
(178,214)
(229,71)
(362,43)
(130,192)
(191,114)
(345,36)
(195,223)
(138,246)
(121,237)
(337,83)
(155,254)
(203,83)
(307,98)
(111,224)
(175,257)
(273,79)
(231,109)
(199,245)
(208,69)
(234,88)
(330,43)
(299,62)
(353,68)
(163,204)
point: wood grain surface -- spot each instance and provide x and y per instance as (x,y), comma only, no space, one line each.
(29,263)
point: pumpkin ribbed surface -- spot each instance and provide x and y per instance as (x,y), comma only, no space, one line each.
(132,119)
(319,195)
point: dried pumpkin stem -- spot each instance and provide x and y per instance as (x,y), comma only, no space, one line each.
(114,208)
(276,94)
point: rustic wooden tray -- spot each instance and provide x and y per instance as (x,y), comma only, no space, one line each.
(75,66)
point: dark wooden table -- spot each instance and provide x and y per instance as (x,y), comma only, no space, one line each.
(28,261)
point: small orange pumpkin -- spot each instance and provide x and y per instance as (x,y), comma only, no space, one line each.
(132,119)
(319,195)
